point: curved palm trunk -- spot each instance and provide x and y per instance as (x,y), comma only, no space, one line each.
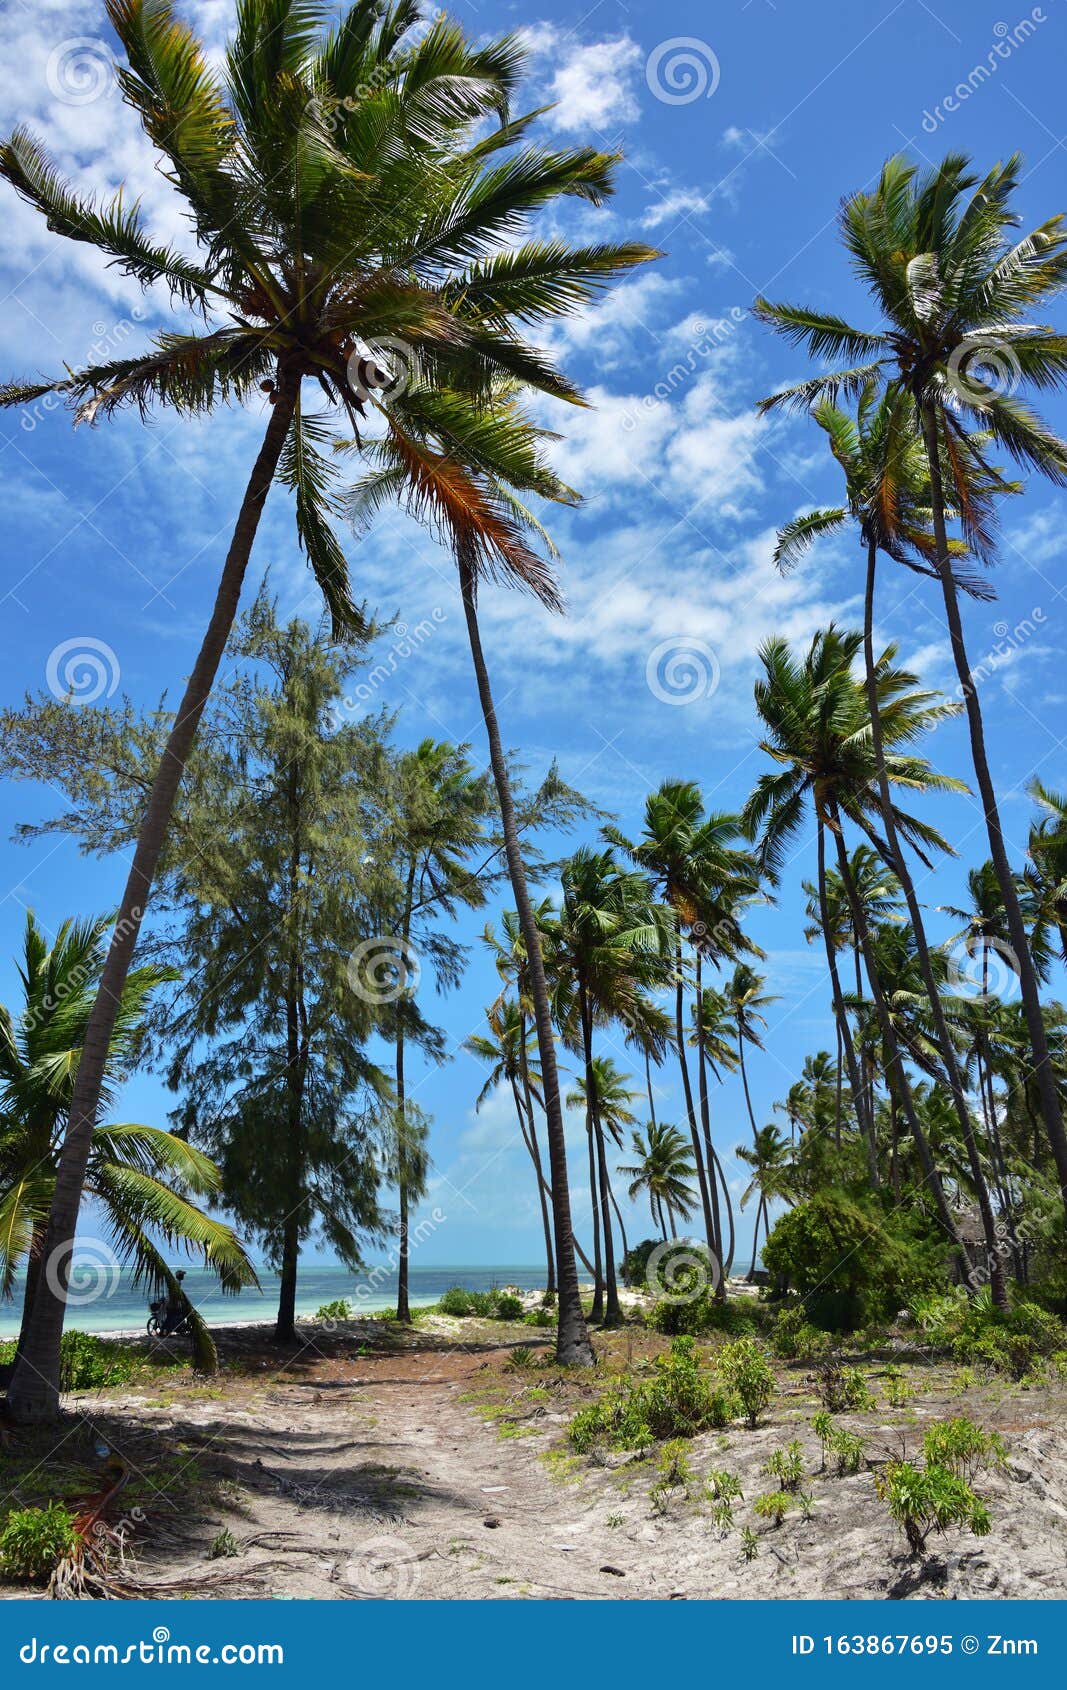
(611,1309)
(572,1340)
(1035,1024)
(687,1090)
(648,1086)
(900,867)
(755,1238)
(622,1231)
(895,1071)
(709,1149)
(403,1274)
(535,1153)
(33,1394)
(849,1048)
(596,1312)
(727,1265)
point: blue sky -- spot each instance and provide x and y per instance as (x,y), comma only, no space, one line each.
(113,536)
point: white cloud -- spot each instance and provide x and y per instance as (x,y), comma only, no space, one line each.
(593,85)
(680,202)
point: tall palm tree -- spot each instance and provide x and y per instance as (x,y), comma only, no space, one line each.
(769,1157)
(144,1180)
(663,1170)
(1046,870)
(347,196)
(511,1050)
(440,804)
(940,254)
(705,877)
(613,1099)
(608,946)
(713,1036)
(747,1000)
(818,726)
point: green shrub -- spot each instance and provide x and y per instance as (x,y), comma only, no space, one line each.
(34,1540)
(963,1448)
(224,1545)
(677,1401)
(793,1338)
(927,1499)
(843,1388)
(852,1263)
(540,1317)
(749,1544)
(786,1465)
(463,1304)
(521,1356)
(89,1363)
(508,1306)
(848,1450)
(773,1505)
(746,1374)
(897,1390)
(339,1309)
(1015,1342)
(723,1486)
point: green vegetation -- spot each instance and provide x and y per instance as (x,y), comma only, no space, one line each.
(926,1499)
(773,1505)
(481,1305)
(786,1465)
(678,1401)
(748,1376)
(33,1540)
(339,1309)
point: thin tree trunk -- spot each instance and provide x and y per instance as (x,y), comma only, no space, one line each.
(535,1152)
(648,1083)
(755,1239)
(403,1274)
(687,1089)
(709,1150)
(899,865)
(611,1310)
(572,1340)
(34,1263)
(839,1002)
(597,1310)
(895,1072)
(33,1394)
(285,1324)
(1035,1024)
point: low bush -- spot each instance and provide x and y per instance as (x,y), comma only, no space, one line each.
(851,1262)
(696,1317)
(462,1304)
(339,1309)
(926,1499)
(34,1540)
(89,1363)
(1016,1342)
(508,1306)
(677,1401)
(540,1317)
(786,1465)
(793,1338)
(774,1505)
(963,1448)
(842,1388)
(747,1376)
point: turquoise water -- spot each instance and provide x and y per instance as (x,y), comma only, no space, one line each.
(112,1304)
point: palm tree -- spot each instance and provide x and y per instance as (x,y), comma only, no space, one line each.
(608,945)
(664,1171)
(145,1181)
(940,254)
(747,1001)
(705,879)
(1046,870)
(613,1100)
(713,1036)
(769,1159)
(347,198)
(819,730)
(511,1049)
(441,805)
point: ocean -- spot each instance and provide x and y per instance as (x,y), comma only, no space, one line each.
(110,1303)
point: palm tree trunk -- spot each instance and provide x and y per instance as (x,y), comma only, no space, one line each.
(709,1150)
(612,1313)
(755,1239)
(33,1394)
(597,1310)
(622,1231)
(1035,1024)
(648,1084)
(403,1273)
(899,865)
(687,1089)
(896,1074)
(839,1002)
(34,1263)
(535,1153)
(572,1340)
